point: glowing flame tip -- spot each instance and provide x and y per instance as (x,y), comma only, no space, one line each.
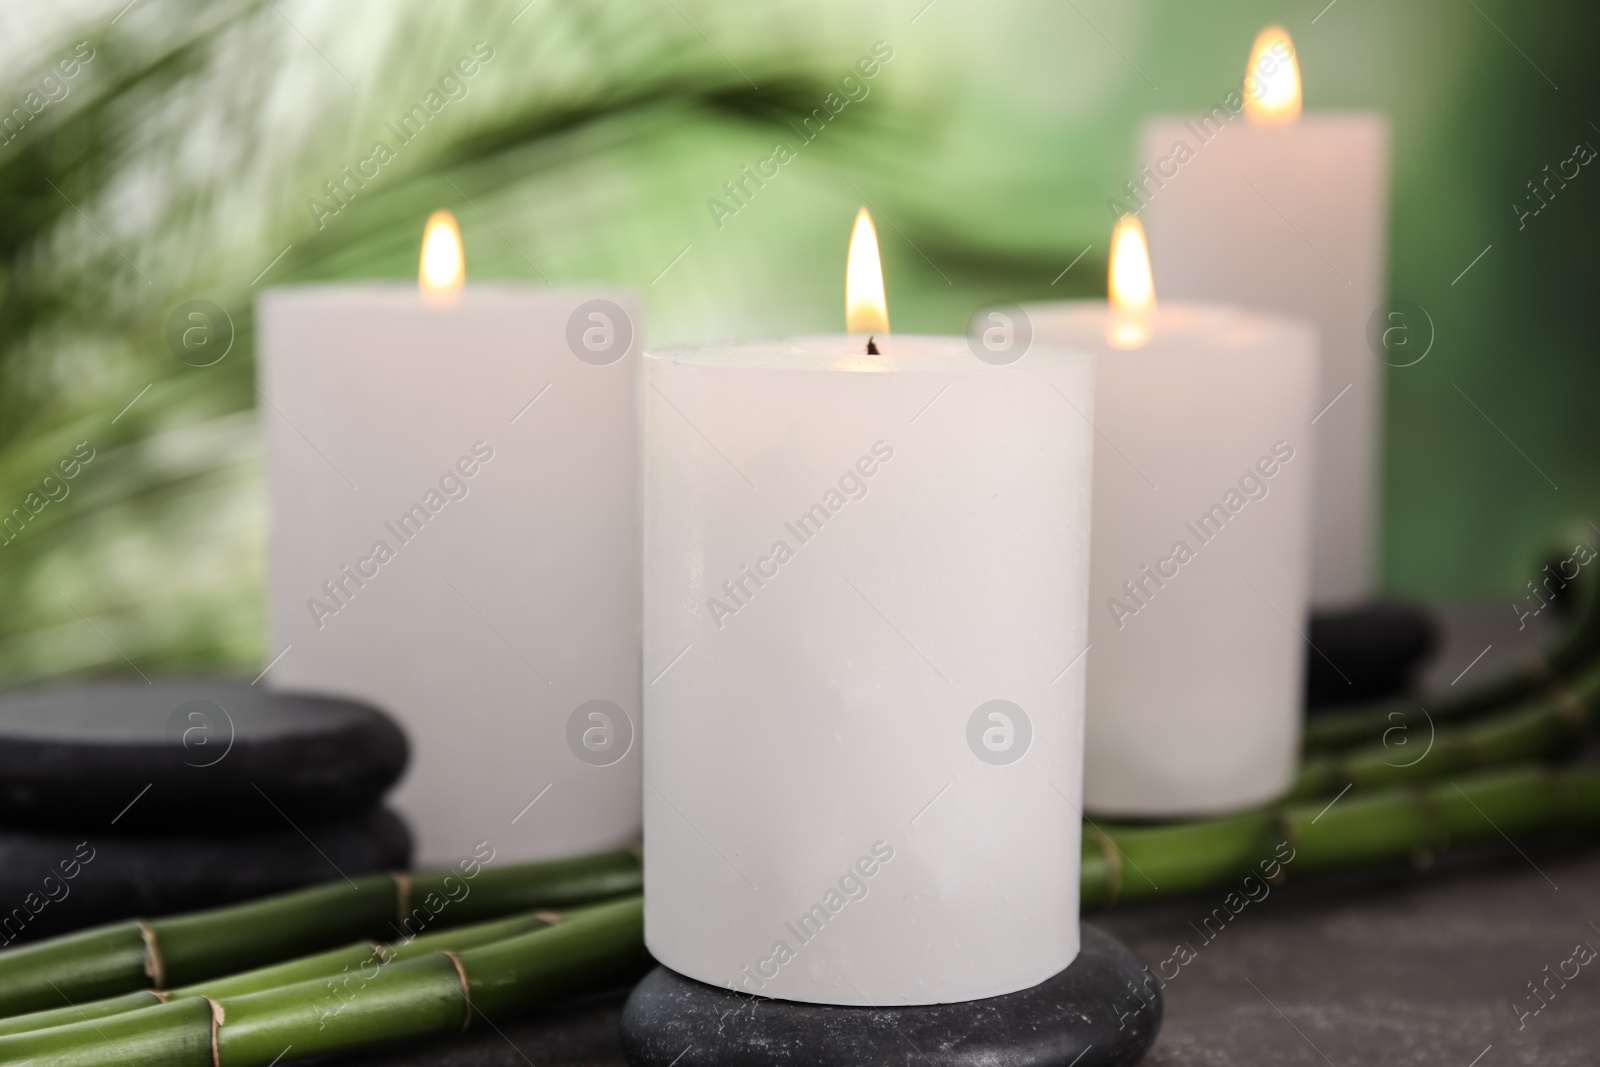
(1131,285)
(442,268)
(1272,80)
(865,308)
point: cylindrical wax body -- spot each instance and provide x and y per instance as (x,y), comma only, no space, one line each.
(454,536)
(865,581)
(1293,219)
(1200,565)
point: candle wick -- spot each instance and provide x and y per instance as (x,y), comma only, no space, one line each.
(872,348)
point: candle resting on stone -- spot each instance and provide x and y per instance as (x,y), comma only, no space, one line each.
(454,536)
(865,583)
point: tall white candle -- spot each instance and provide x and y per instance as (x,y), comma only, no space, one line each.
(1201,543)
(865,582)
(454,536)
(1253,204)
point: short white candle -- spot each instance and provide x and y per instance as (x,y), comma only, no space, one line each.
(454,536)
(864,577)
(1275,211)
(1201,545)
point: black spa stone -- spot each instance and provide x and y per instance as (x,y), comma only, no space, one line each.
(1103,1009)
(1367,653)
(188,756)
(53,882)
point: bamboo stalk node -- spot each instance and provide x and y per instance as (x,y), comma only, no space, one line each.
(1290,829)
(466,989)
(218,1017)
(402,900)
(1113,857)
(154,967)
(554,918)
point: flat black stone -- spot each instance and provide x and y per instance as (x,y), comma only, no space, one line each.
(1099,1011)
(50,883)
(1383,965)
(214,754)
(1379,966)
(1367,653)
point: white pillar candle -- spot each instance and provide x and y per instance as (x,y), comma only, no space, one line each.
(1200,563)
(848,558)
(1260,207)
(865,582)
(454,536)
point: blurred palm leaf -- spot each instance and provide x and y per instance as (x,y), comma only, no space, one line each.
(182,163)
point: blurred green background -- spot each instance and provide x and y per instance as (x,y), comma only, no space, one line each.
(181,159)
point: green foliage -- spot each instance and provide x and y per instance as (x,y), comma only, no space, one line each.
(183,161)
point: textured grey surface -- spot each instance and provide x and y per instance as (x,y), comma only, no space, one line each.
(1413,969)
(1477,640)
(1398,968)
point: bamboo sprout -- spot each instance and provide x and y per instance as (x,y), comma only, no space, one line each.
(319,965)
(1531,730)
(1578,648)
(119,958)
(435,993)
(1128,863)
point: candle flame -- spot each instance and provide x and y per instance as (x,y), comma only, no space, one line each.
(443,267)
(1272,80)
(865,309)
(1131,286)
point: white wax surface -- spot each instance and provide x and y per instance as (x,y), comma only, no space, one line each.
(1194,695)
(515,603)
(1294,219)
(820,731)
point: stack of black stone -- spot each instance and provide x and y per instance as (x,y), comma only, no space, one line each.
(147,798)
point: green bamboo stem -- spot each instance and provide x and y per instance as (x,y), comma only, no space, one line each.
(1578,648)
(1422,750)
(432,994)
(441,992)
(1128,863)
(178,950)
(318,965)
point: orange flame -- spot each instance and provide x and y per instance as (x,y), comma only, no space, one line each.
(865,308)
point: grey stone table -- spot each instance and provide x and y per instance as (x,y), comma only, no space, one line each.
(1429,969)
(1398,967)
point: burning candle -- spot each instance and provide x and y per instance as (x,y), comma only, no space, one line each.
(454,536)
(865,582)
(1201,544)
(1257,205)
